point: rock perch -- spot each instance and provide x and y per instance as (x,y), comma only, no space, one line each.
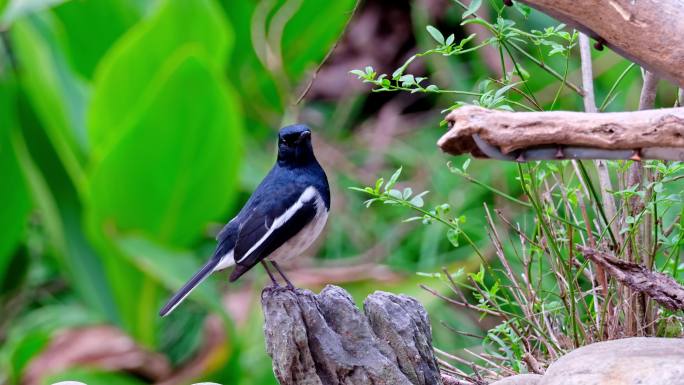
(325,339)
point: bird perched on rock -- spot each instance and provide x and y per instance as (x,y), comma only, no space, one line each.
(281,219)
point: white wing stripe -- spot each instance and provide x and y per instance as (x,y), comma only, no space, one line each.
(306,196)
(225,261)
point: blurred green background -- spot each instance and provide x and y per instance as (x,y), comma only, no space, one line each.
(131,130)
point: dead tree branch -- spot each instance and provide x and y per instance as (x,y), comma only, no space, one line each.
(647,32)
(662,288)
(648,130)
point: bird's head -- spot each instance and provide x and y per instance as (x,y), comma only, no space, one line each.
(294,145)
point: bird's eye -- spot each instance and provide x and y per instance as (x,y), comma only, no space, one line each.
(289,140)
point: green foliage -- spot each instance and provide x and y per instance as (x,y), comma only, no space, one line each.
(160,196)
(545,296)
(124,80)
(123,134)
(15,190)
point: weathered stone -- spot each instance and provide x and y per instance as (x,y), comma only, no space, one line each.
(643,361)
(324,339)
(520,379)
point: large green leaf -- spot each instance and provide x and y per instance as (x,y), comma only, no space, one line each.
(57,96)
(253,81)
(170,267)
(321,25)
(14,191)
(92,26)
(60,213)
(174,168)
(16,9)
(123,77)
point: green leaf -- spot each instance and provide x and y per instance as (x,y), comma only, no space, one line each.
(170,268)
(393,179)
(358,73)
(252,80)
(59,208)
(91,27)
(472,8)
(57,96)
(124,76)
(14,189)
(452,236)
(3,4)
(321,22)
(434,32)
(175,167)
(16,9)
(396,194)
(407,193)
(378,185)
(418,199)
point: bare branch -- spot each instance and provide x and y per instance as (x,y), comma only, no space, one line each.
(646,32)
(648,91)
(510,131)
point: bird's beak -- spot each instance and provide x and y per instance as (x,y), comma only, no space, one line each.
(304,135)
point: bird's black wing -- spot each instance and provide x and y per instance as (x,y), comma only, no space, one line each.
(269,226)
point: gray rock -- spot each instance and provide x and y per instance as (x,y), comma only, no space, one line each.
(629,361)
(324,339)
(520,379)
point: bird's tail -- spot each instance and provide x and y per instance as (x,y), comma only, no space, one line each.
(188,287)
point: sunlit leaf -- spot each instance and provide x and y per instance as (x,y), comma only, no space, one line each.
(92,26)
(58,97)
(174,168)
(124,76)
(472,8)
(434,32)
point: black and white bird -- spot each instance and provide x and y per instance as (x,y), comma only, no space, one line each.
(281,219)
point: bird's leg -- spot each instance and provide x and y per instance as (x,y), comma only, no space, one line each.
(289,284)
(275,282)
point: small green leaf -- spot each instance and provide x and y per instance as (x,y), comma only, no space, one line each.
(407,193)
(412,219)
(472,8)
(396,194)
(378,185)
(450,39)
(452,236)
(358,73)
(434,32)
(465,165)
(393,179)
(418,199)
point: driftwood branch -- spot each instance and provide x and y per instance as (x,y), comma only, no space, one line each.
(657,134)
(647,32)
(325,339)
(660,287)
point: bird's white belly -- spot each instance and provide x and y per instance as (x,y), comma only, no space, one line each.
(296,245)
